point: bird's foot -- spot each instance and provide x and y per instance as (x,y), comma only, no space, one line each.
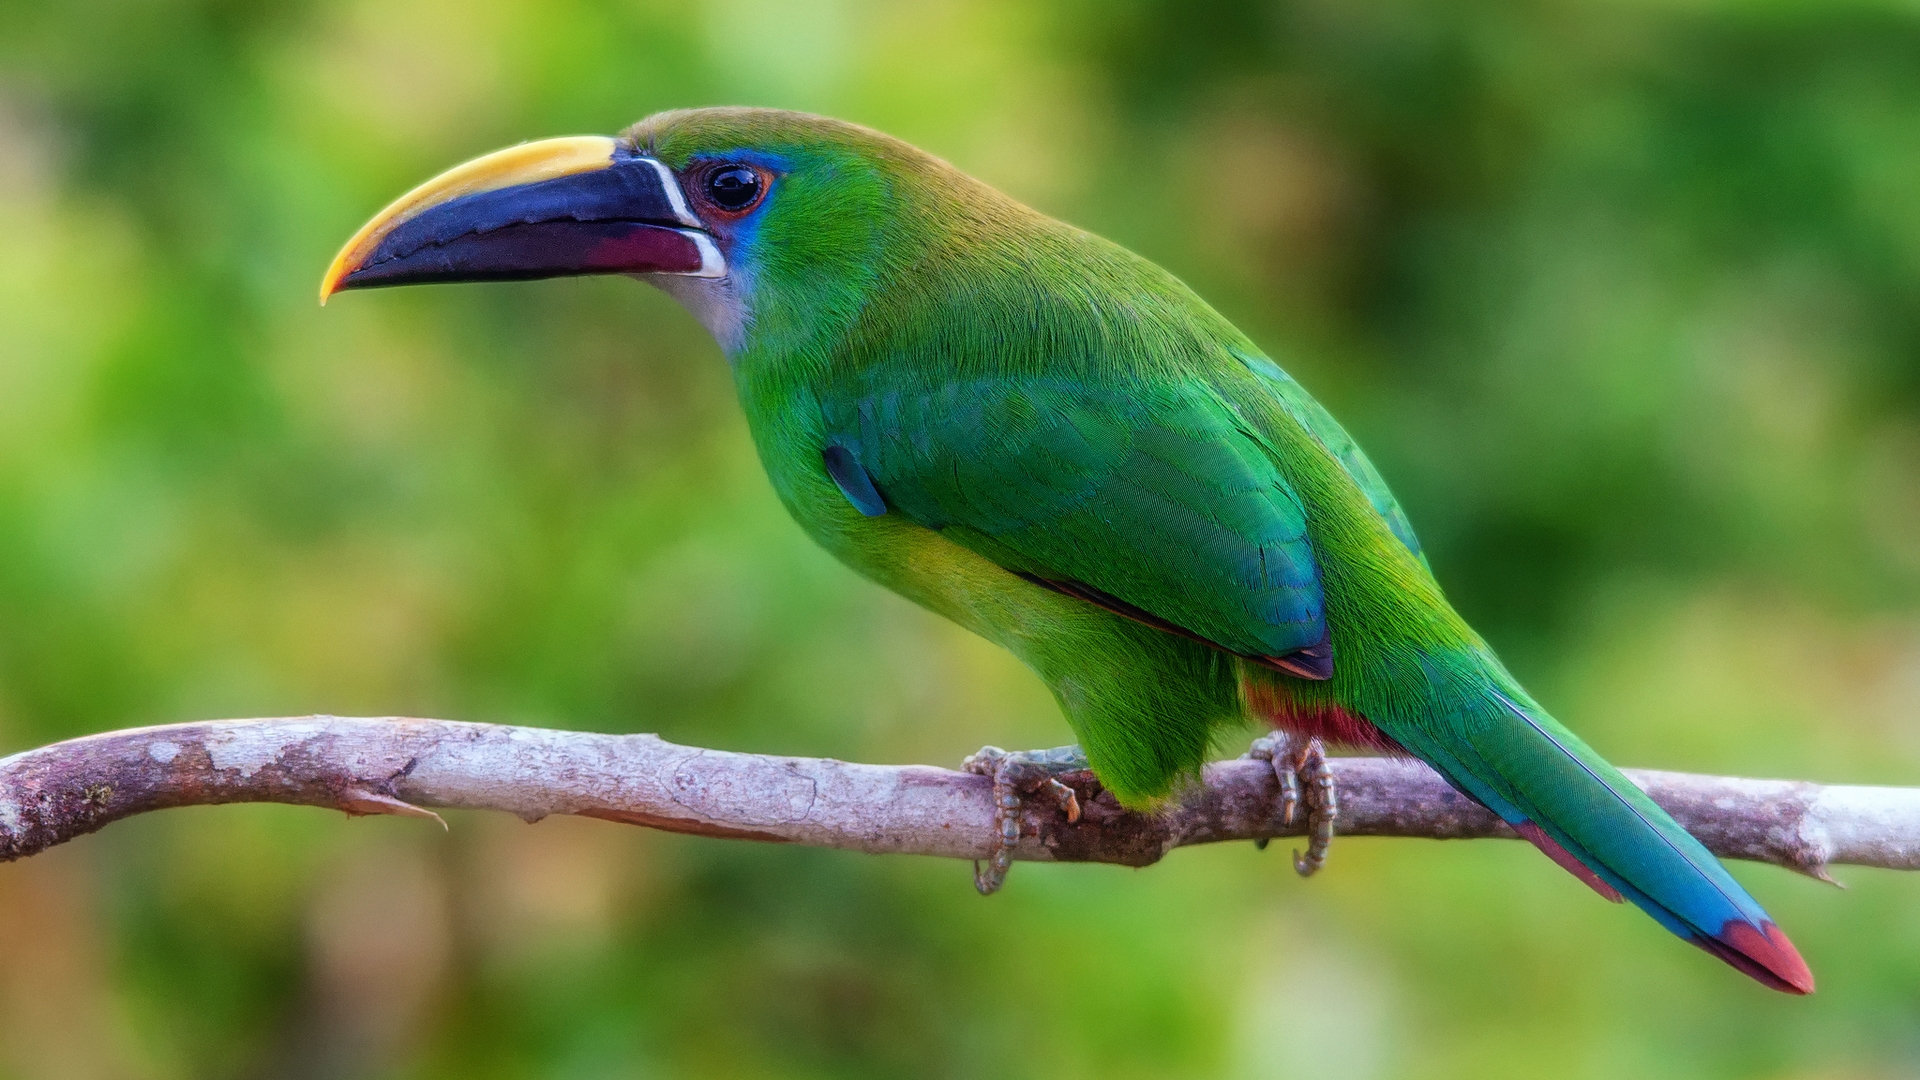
(1017,775)
(1305,781)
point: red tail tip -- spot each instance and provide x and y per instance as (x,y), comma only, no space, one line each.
(1764,953)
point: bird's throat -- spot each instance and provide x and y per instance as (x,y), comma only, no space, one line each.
(720,305)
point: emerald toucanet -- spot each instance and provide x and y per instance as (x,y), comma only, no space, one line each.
(1056,444)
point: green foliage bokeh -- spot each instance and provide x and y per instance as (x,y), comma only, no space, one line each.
(1624,299)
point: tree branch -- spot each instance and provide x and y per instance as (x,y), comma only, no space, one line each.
(401,766)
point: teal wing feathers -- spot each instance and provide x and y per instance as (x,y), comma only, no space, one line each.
(1153,495)
(1313,416)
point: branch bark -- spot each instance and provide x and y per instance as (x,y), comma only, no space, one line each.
(404,766)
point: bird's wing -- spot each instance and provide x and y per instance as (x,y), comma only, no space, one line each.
(1153,500)
(1313,416)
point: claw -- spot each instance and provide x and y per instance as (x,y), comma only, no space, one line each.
(1069,802)
(1292,765)
(1016,775)
(1323,807)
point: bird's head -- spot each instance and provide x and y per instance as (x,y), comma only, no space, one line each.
(769,226)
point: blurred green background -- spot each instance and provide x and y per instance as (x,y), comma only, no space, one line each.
(1624,298)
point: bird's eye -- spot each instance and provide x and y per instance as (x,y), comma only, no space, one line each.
(733,187)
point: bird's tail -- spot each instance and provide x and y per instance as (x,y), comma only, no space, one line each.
(1555,791)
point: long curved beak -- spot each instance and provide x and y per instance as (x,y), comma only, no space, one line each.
(555,208)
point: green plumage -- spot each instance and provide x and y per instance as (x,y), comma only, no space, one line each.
(1058,445)
(1030,398)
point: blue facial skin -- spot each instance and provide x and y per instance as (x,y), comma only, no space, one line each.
(740,232)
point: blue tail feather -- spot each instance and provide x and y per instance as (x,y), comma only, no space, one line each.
(1508,754)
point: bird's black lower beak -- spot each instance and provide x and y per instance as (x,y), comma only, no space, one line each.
(556,208)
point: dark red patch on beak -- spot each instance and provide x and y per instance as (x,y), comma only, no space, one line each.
(625,216)
(545,249)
